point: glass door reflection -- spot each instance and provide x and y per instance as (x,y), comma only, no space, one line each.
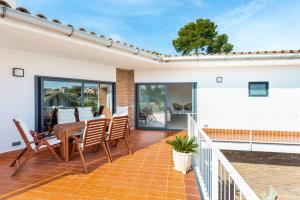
(151,106)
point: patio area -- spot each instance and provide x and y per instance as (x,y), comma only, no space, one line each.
(147,174)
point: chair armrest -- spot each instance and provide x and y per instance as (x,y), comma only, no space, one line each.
(51,137)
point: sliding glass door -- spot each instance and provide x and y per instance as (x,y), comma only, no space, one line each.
(164,105)
(151,100)
(56,93)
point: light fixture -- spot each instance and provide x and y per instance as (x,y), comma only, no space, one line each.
(18,72)
(219,79)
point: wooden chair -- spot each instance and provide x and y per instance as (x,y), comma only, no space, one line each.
(117,130)
(33,146)
(93,136)
(66,116)
(123,110)
(85,113)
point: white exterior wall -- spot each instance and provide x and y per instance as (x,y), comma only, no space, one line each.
(18,94)
(227,105)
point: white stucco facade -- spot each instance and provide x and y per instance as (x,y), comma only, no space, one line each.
(18,94)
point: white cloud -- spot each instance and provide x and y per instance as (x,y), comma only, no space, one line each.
(261,25)
(241,13)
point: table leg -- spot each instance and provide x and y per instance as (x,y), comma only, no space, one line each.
(62,137)
(67,153)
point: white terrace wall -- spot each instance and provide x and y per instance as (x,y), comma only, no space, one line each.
(227,105)
(18,94)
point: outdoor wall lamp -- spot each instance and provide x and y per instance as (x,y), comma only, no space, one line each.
(219,79)
(18,72)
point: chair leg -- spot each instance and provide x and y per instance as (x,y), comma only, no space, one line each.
(126,141)
(106,151)
(73,149)
(18,158)
(128,130)
(82,158)
(20,166)
(53,152)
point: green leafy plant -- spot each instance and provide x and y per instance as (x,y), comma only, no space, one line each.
(183,144)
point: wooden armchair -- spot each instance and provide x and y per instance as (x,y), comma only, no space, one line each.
(33,146)
(93,136)
(117,130)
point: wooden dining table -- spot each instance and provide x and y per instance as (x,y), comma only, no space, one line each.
(64,131)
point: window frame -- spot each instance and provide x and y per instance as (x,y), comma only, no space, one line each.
(258,82)
(39,95)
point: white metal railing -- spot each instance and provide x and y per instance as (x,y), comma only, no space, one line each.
(275,129)
(218,179)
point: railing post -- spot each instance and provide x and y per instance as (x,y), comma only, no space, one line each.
(250,128)
(214,177)
(189,124)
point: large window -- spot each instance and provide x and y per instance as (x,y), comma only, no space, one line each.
(56,93)
(258,89)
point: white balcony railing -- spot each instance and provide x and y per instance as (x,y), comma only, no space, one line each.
(218,179)
(259,129)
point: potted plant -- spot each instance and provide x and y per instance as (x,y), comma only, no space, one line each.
(183,148)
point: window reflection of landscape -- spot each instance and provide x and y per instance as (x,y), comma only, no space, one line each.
(69,93)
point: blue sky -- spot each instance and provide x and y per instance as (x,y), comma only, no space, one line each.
(153,24)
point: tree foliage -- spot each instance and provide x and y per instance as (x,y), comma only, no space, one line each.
(201,37)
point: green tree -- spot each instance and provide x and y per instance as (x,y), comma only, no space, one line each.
(201,37)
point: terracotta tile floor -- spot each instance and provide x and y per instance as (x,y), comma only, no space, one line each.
(147,174)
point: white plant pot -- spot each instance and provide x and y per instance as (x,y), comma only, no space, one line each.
(182,161)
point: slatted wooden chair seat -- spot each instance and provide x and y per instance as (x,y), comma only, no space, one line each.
(117,130)
(32,146)
(93,136)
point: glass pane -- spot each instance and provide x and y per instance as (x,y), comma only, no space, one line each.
(91,94)
(59,94)
(152,105)
(180,102)
(106,96)
(258,89)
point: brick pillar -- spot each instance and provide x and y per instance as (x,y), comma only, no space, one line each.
(125,92)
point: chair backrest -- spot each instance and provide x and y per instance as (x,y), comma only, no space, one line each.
(118,126)
(188,106)
(66,116)
(177,106)
(122,110)
(24,132)
(85,113)
(94,132)
(107,113)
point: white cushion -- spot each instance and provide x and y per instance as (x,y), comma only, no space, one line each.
(122,110)
(85,113)
(26,130)
(52,141)
(100,117)
(66,116)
